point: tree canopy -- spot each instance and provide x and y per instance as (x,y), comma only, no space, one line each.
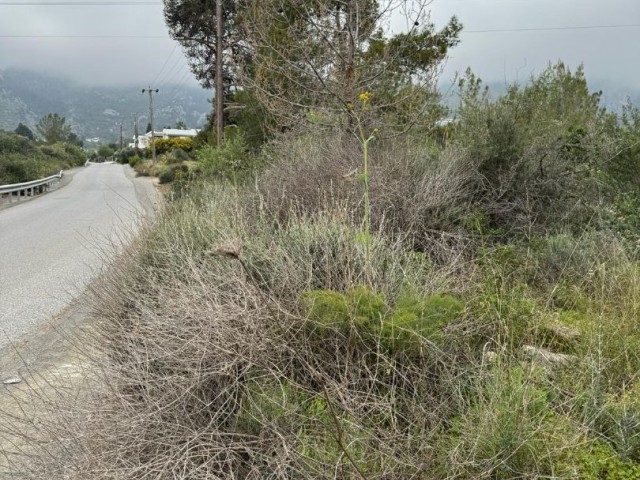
(24,131)
(53,128)
(193,24)
(296,57)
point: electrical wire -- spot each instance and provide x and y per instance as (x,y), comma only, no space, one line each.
(548,29)
(165,63)
(79,4)
(165,37)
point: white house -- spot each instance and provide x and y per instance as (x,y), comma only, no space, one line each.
(144,141)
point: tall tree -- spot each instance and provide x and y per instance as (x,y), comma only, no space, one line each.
(53,128)
(193,24)
(24,131)
(320,55)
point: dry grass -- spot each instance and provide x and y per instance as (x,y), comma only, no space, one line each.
(416,193)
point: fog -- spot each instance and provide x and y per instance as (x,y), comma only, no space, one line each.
(607,47)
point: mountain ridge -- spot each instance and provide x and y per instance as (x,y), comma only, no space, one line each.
(95,113)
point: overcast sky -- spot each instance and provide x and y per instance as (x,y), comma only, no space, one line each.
(609,54)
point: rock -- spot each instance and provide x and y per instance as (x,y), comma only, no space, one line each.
(490,357)
(12,381)
(547,357)
(566,334)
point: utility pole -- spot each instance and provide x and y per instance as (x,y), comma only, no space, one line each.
(135,132)
(153,138)
(121,144)
(219,83)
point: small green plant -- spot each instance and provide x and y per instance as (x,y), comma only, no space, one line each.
(366,307)
(326,310)
(173,172)
(504,431)
(417,318)
(365,140)
(597,460)
(231,161)
(619,422)
(402,328)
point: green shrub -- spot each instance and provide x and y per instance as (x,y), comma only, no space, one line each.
(400,329)
(505,431)
(16,169)
(537,149)
(232,161)
(598,461)
(619,422)
(328,310)
(165,145)
(178,155)
(173,172)
(134,160)
(367,308)
(417,318)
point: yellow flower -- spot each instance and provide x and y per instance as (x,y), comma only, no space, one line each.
(365,97)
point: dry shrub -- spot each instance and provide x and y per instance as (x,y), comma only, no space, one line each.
(416,193)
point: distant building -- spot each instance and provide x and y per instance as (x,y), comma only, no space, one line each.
(144,141)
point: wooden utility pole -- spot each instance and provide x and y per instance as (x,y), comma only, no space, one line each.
(153,137)
(135,132)
(219,73)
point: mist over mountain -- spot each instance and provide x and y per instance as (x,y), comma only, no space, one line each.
(94,113)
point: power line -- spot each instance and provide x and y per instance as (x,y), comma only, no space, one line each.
(548,29)
(80,4)
(165,37)
(165,63)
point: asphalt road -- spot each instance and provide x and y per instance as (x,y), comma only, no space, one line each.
(51,247)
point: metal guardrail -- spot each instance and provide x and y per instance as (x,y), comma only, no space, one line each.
(29,188)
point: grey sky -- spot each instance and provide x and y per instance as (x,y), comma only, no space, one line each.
(92,60)
(609,54)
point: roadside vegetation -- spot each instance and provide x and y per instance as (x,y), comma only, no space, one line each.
(24,158)
(368,294)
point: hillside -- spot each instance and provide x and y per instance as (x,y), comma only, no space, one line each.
(95,112)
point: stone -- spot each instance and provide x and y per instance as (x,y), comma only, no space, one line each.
(11,380)
(547,357)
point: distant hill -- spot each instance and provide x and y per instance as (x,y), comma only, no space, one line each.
(95,112)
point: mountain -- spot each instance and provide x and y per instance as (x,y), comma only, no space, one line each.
(95,113)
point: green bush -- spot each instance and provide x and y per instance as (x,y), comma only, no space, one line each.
(134,160)
(173,172)
(416,319)
(232,161)
(366,307)
(16,169)
(326,309)
(23,160)
(165,145)
(619,423)
(537,149)
(403,328)
(507,430)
